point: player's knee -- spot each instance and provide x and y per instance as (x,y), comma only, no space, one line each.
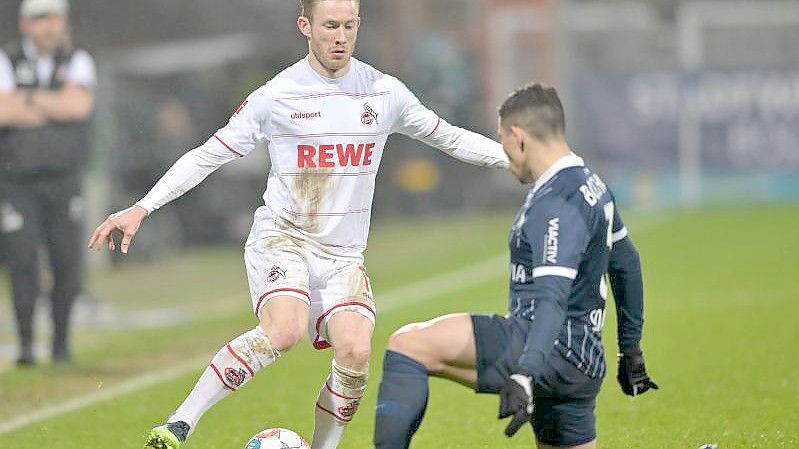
(353,351)
(411,341)
(284,335)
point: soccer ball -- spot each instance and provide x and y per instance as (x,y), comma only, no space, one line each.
(277,438)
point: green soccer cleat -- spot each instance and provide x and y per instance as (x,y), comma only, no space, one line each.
(168,436)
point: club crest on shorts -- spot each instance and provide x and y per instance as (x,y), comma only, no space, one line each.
(275,273)
(235,376)
(369,115)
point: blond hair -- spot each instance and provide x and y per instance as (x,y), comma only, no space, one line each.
(306,6)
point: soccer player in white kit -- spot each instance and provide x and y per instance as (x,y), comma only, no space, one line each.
(325,121)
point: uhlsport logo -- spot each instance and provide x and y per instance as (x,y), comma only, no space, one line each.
(306,115)
(235,376)
(369,115)
(276,273)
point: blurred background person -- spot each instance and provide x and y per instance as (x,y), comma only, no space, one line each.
(46,102)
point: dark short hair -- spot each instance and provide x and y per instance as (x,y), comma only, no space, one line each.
(306,6)
(537,109)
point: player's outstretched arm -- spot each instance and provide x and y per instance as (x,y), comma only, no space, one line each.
(421,123)
(125,222)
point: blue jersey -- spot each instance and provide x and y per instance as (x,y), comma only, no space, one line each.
(560,246)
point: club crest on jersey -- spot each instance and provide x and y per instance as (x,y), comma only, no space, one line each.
(276,273)
(369,115)
(235,376)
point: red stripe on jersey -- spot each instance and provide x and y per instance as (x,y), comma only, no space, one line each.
(228,146)
(333,94)
(434,129)
(324,214)
(360,173)
(221,379)
(233,353)
(354,245)
(354,134)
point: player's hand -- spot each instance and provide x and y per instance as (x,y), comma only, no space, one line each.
(126,222)
(516,399)
(632,373)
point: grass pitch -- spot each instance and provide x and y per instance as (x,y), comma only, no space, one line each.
(721,308)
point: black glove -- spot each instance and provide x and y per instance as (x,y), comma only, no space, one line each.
(516,399)
(632,373)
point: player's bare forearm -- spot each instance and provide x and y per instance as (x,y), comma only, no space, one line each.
(69,104)
(624,271)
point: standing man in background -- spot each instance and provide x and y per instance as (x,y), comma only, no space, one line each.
(46,101)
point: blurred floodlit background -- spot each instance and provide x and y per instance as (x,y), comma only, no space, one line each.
(677,103)
(689,110)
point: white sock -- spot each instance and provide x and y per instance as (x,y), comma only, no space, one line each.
(232,367)
(336,405)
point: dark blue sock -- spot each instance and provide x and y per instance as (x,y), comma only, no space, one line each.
(401,401)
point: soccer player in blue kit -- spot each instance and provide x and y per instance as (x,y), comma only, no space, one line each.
(545,358)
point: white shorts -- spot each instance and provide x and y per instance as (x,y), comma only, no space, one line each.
(279,266)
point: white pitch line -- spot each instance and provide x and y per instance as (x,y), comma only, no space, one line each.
(127,387)
(444,284)
(436,286)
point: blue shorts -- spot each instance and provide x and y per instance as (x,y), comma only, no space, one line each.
(564,397)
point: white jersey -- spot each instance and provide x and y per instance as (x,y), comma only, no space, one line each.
(326,138)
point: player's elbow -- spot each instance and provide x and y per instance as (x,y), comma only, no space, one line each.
(625,257)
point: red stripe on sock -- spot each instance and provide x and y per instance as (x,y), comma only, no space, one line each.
(339,395)
(338,418)
(233,353)
(221,379)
